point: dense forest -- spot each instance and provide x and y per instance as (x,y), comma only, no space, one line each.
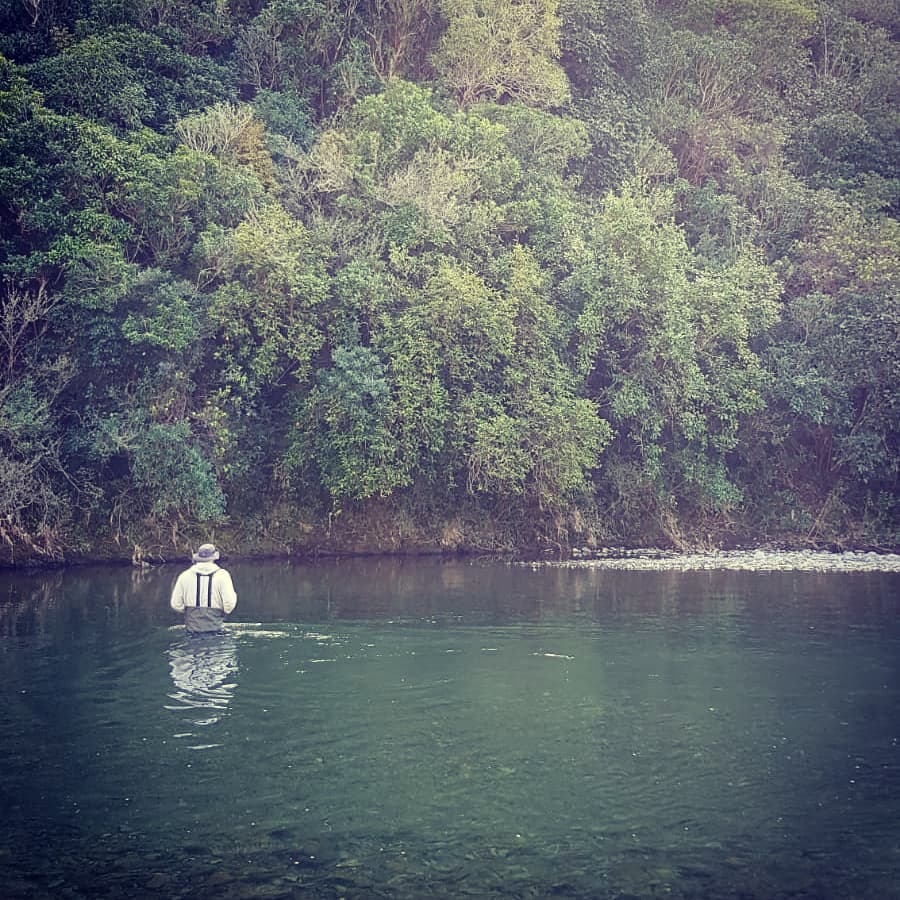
(447,274)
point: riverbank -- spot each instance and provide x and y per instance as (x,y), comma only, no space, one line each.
(760,560)
(642,559)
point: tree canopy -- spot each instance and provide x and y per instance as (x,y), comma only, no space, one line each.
(447,273)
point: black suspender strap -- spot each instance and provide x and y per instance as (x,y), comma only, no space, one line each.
(208,588)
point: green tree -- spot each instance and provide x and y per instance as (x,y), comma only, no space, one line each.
(314,47)
(170,468)
(845,119)
(266,283)
(344,438)
(834,416)
(664,344)
(263,289)
(401,36)
(546,441)
(494,49)
(35,506)
(127,77)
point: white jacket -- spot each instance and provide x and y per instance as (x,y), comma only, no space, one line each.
(205,594)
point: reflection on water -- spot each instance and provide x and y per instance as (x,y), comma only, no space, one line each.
(401,729)
(204,669)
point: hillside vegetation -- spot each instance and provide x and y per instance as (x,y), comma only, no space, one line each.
(492,274)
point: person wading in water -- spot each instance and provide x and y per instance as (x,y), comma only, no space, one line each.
(204,593)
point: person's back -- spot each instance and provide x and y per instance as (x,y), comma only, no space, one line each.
(204,593)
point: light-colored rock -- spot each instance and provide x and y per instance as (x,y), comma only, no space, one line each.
(758,560)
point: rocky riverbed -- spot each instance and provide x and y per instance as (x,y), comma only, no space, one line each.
(738,560)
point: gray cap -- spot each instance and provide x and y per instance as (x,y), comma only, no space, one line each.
(206,553)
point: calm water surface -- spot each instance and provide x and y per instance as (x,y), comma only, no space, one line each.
(412,729)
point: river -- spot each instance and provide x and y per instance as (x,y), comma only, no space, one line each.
(428,728)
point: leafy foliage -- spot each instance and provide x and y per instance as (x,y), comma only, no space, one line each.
(579,269)
(492,49)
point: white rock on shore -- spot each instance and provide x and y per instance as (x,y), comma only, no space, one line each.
(736,560)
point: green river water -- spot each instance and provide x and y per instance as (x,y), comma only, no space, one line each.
(425,728)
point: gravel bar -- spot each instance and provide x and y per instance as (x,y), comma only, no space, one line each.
(736,560)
